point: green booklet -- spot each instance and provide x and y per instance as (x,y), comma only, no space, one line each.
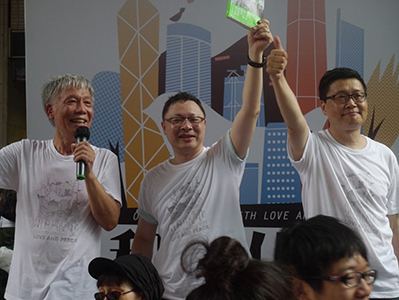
(245,12)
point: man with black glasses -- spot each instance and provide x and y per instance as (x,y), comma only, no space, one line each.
(195,193)
(330,259)
(345,174)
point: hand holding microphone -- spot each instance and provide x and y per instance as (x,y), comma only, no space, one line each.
(82,134)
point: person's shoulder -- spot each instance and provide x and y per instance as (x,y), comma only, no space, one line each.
(159,167)
(104,155)
(103,151)
(320,133)
(376,143)
(380,146)
(30,143)
(324,138)
(224,140)
(158,171)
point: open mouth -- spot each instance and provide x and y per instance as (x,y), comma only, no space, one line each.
(79,121)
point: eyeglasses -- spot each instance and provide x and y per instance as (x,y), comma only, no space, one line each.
(351,279)
(115,295)
(343,98)
(179,121)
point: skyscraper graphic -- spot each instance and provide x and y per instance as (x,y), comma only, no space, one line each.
(188,60)
(138,35)
(232,102)
(306,45)
(280,181)
(350,45)
(249,184)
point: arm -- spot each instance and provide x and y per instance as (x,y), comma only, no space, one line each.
(105,209)
(394,223)
(244,123)
(143,241)
(297,128)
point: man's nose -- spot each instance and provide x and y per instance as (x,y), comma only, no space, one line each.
(80,106)
(351,101)
(186,124)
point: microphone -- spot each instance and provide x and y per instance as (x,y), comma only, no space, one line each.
(82,134)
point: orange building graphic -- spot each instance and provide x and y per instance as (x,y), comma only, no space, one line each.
(306,45)
(138,32)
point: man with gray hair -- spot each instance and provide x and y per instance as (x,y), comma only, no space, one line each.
(59,218)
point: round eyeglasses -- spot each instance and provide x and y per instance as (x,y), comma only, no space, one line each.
(114,295)
(179,121)
(342,98)
(351,279)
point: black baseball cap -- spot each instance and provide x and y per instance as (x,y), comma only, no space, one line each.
(137,268)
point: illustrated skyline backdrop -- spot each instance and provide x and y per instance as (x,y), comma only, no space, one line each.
(187,65)
(123,50)
(212,63)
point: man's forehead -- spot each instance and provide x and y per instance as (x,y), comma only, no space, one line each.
(346,82)
(74,90)
(188,106)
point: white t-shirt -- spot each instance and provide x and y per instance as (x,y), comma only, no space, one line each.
(359,187)
(195,200)
(56,235)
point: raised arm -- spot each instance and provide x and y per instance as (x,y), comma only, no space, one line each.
(297,127)
(244,123)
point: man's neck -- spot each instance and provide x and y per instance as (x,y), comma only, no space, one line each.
(181,158)
(351,138)
(62,146)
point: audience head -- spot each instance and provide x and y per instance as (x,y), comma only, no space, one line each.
(133,276)
(336,74)
(231,274)
(330,259)
(52,89)
(181,97)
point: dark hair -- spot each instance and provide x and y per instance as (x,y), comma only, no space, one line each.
(114,278)
(312,246)
(111,278)
(230,274)
(181,97)
(335,74)
(135,269)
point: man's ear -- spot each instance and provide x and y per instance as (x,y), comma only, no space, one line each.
(302,290)
(323,107)
(50,111)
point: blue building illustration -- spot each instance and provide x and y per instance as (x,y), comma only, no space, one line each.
(249,184)
(188,60)
(280,181)
(232,102)
(350,45)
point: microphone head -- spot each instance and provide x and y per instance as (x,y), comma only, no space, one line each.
(82,132)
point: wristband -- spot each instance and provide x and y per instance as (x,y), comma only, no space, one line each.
(255,64)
